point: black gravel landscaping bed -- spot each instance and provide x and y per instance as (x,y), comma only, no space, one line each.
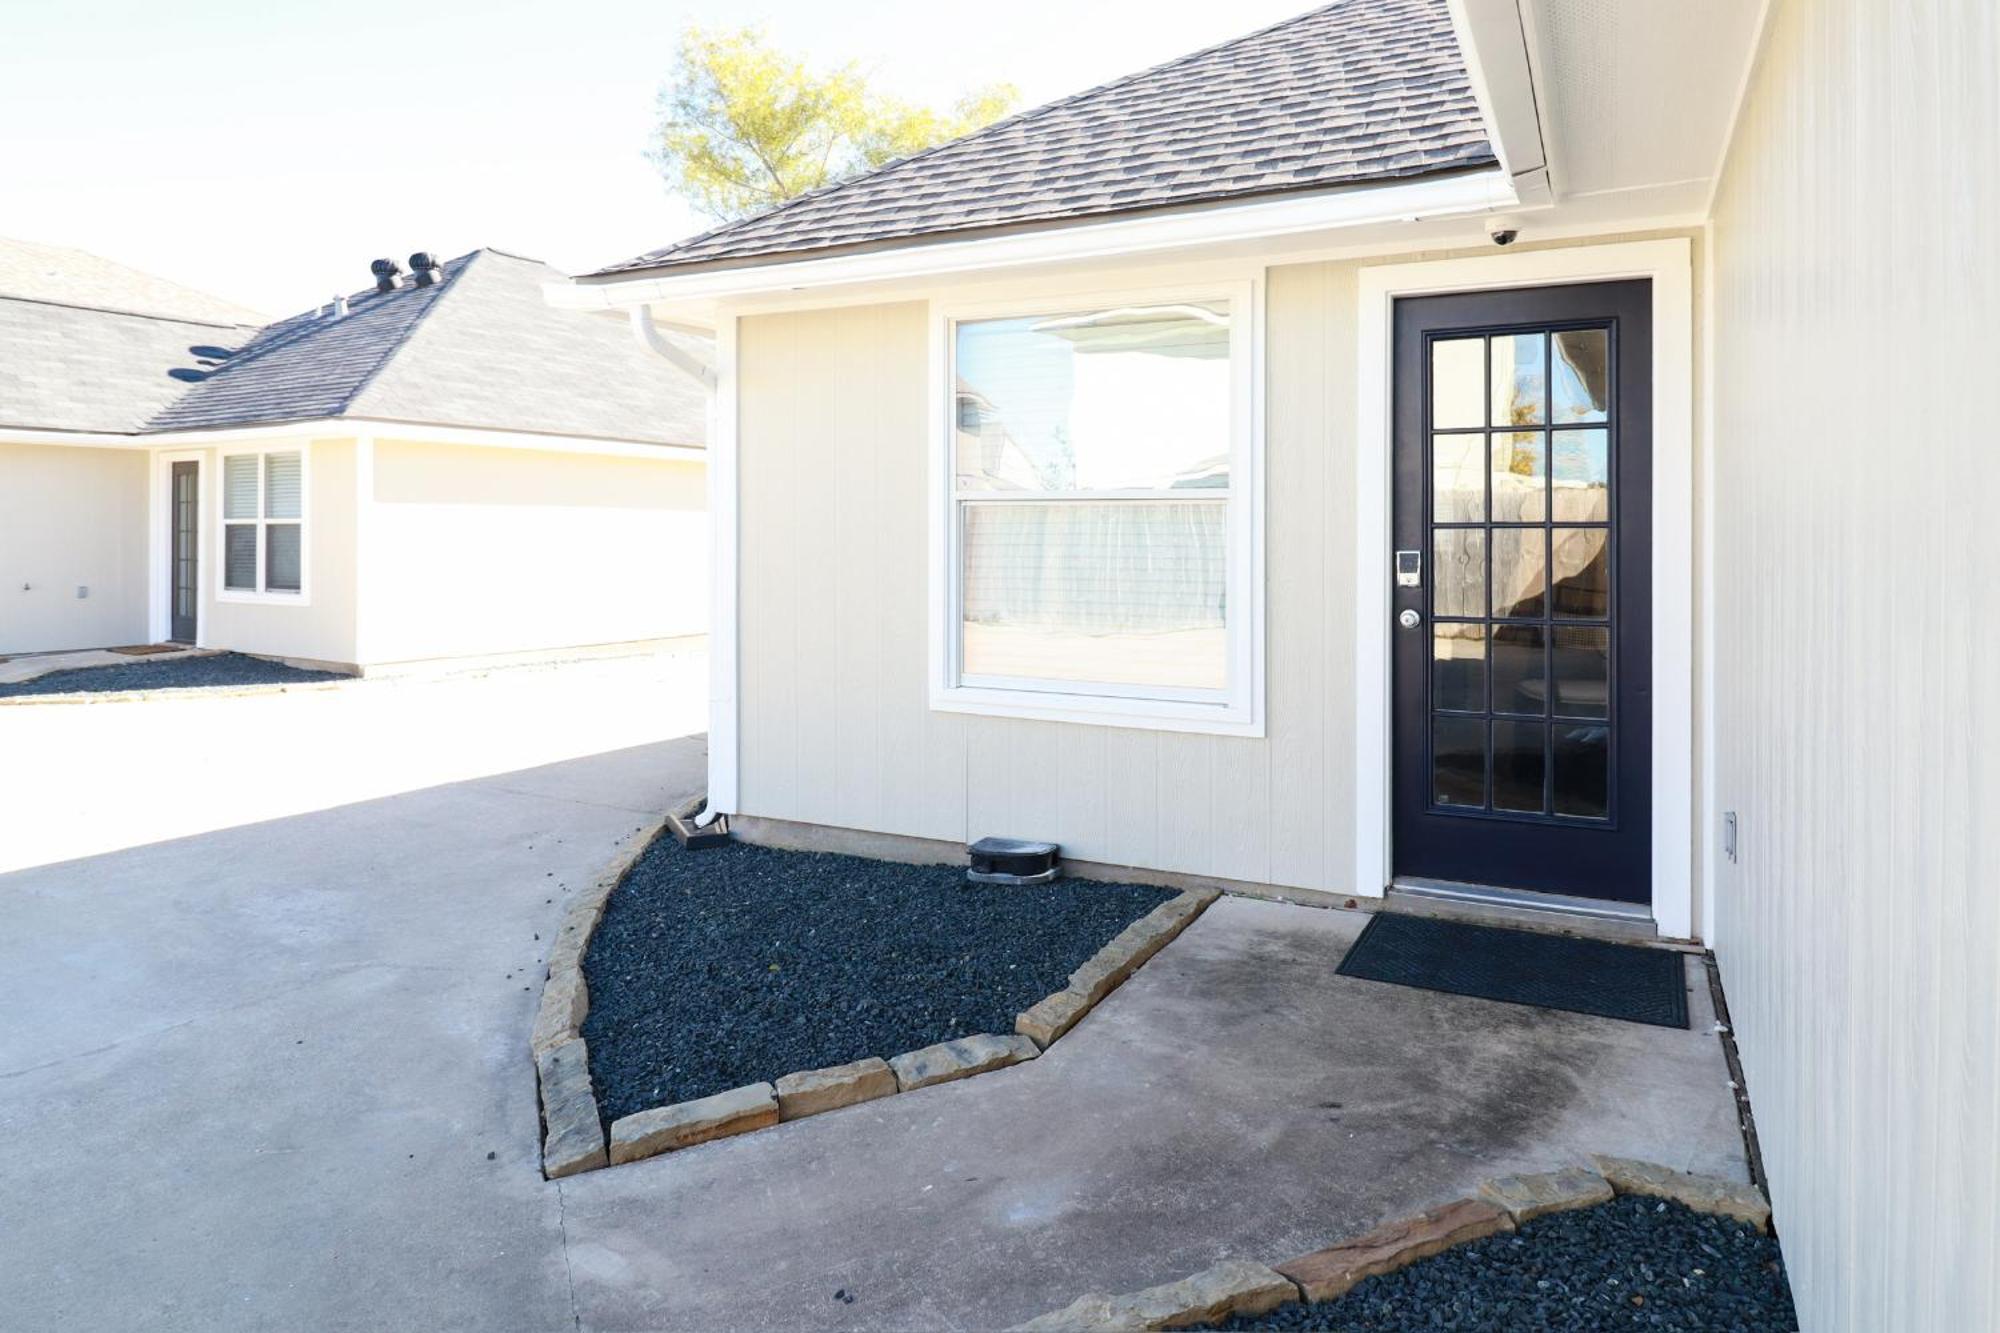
(741,964)
(182,673)
(1633,1263)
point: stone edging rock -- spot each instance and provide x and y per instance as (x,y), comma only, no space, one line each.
(573,1136)
(1107,969)
(572,1129)
(1240,1287)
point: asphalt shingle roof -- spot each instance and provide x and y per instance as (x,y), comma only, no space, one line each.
(62,275)
(63,367)
(1353,92)
(480,348)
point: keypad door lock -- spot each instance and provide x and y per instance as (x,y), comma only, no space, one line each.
(1409,569)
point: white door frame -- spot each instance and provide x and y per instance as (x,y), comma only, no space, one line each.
(159,569)
(1668,264)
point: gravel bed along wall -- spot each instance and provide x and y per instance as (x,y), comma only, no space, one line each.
(1636,1262)
(740,964)
(182,673)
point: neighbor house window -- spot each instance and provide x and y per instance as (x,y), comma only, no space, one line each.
(263,507)
(1099,543)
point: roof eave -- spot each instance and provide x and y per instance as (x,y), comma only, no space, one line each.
(1098,237)
(334,428)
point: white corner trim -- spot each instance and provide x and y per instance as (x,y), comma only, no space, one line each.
(1709,831)
(725,553)
(159,522)
(1668,264)
(1115,238)
(364,538)
(1237,711)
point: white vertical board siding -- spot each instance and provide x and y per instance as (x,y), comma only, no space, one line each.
(836,725)
(1856,488)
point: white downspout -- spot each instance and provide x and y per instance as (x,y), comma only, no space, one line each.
(654,341)
(720,381)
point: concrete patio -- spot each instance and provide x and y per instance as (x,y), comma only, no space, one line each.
(1235,1099)
(275,1076)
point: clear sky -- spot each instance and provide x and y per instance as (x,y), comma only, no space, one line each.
(265,150)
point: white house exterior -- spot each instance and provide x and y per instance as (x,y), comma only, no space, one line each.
(443,470)
(1766,226)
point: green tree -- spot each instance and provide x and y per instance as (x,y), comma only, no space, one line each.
(744,126)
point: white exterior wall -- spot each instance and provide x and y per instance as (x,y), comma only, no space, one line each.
(71,517)
(471,551)
(834,716)
(836,726)
(1857,623)
(319,625)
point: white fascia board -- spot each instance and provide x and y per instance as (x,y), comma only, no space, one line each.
(1493,36)
(73,438)
(343,427)
(346,427)
(512,439)
(1472,192)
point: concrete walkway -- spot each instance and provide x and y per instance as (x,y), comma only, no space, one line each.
(274,1076)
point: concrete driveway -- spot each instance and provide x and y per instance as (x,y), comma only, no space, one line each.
(274,1075)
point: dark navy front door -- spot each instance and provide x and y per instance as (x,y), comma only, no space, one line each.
(1523,536)
(184,551)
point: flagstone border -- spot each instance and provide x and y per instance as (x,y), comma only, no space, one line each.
(574,1138)
(1240,1287)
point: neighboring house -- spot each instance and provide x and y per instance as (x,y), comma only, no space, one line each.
(440,466)
(1598,526)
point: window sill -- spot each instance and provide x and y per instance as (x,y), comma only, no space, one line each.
(241,597)
(1094,710)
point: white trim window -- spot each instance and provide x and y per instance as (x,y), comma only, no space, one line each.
(263,539)
(1097,513)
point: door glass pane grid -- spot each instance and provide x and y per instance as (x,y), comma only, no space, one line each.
(1521,574)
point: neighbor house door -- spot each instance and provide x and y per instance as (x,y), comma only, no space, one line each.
(184,551)
(1522,532)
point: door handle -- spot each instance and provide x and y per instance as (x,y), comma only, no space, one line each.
(1410,619)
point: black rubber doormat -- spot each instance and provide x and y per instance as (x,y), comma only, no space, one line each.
(1522,967)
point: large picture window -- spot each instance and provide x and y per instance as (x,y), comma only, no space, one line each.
(1099,536)
(263,523)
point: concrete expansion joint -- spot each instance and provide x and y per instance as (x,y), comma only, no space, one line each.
(569,1269)
(574,1139)
(1241,1288)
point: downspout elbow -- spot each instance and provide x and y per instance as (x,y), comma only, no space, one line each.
(656,342)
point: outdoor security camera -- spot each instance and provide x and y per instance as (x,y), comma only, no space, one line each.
(1502,230)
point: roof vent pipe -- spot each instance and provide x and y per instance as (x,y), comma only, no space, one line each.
(339,304)
(388,275)
(424,268)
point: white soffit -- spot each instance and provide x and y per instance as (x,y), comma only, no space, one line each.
(1637,94)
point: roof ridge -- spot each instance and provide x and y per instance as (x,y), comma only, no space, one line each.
(1018,118)
(402,340)
(129,314)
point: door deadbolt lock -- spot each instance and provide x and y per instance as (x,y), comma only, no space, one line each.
(1409,569)
(1409,619)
